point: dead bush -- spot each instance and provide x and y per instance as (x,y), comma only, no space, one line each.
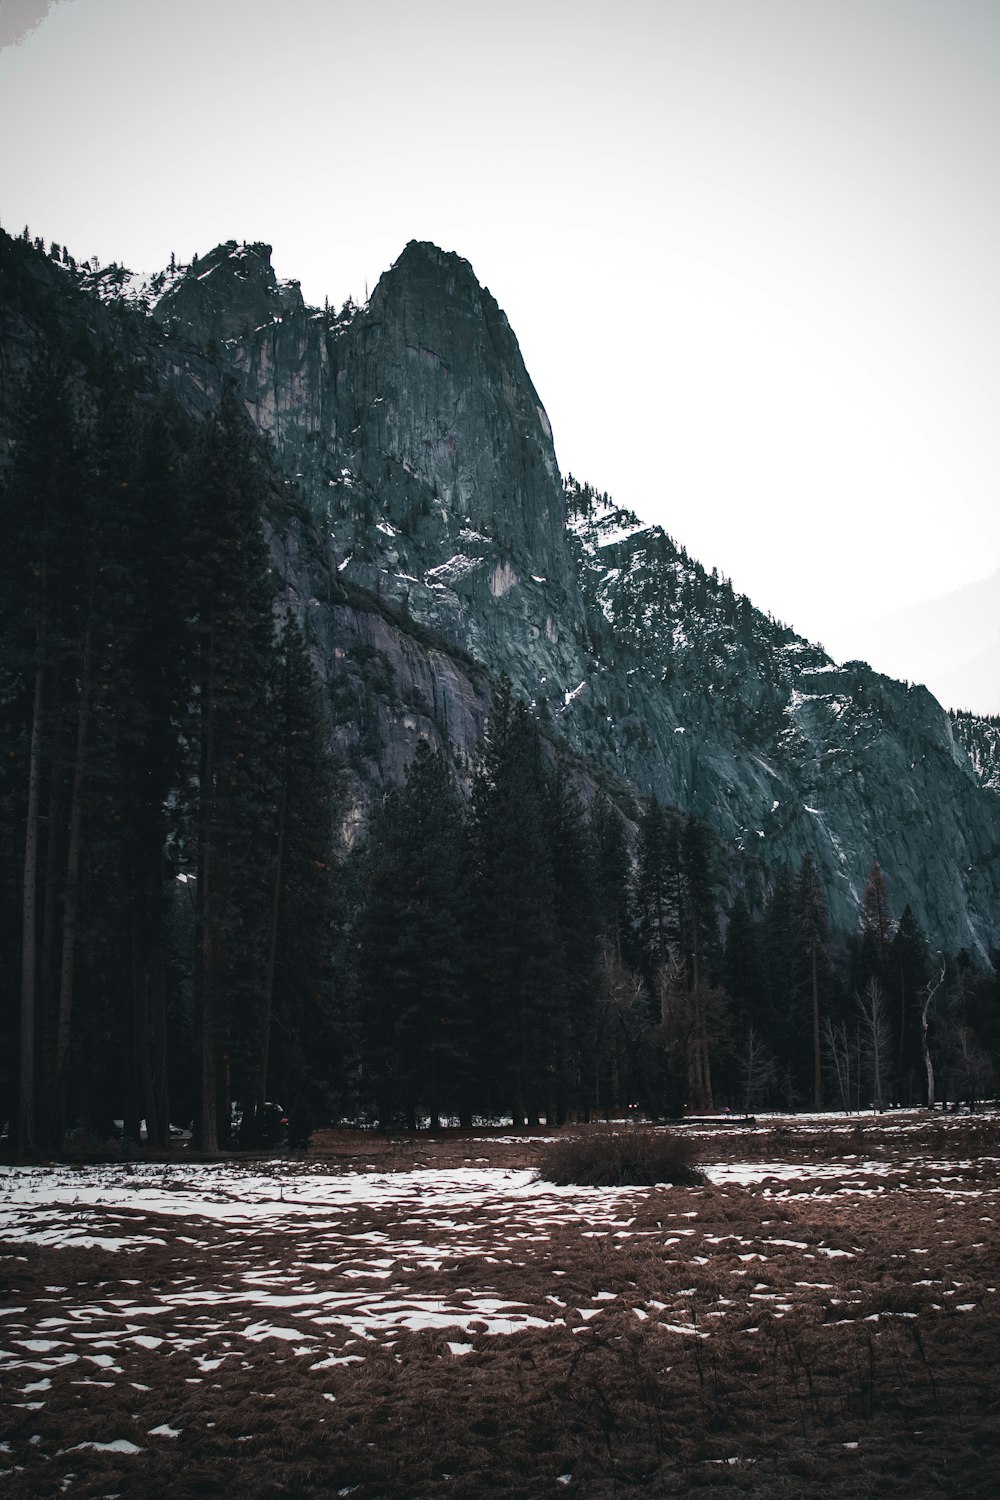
(606,1156)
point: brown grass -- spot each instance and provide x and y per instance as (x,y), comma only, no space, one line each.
(628,1156)
(738,1357)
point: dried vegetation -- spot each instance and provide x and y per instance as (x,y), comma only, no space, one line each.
(815,1335)
(630,1156)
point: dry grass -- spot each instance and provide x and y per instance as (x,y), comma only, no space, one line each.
(629,1156)
(833,1336)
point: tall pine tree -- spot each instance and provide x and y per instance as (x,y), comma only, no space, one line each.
(409,944)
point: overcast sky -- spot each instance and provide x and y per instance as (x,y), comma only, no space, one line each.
(749,247)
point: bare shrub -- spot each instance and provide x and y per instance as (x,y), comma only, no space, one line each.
(635,1156)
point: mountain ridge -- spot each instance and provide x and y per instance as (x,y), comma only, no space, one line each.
(414,438)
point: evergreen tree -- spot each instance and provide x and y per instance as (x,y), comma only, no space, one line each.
(150,673)
(812,934)
(876,919)
(127,757)
(43,514)
(657,897)
(409,936)
(233,640)
(908,973)
(742,968)
(659,909)
(870,958)
(778,954)
(512,932)
(571,1017)
(612,876)
(700,942)
(752,1061)
(298,1047)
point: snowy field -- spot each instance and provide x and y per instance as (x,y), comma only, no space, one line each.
(467,1330)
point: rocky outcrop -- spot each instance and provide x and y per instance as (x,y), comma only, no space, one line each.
(980,738)
(414,432)
(230,295)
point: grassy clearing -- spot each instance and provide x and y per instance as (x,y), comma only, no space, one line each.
(823,1333)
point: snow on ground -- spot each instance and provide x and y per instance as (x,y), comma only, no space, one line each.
(374,1236)
(375,1231)
(144,1294)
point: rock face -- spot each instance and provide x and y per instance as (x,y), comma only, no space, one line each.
(413,430)
(226,296)
(435,531)
(731,715)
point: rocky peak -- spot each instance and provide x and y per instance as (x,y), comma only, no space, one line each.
(430,272)
(439,383)
(227,295)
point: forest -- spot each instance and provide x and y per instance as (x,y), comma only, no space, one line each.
(184,929)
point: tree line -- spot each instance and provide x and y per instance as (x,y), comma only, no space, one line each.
(167,794)
(516,955)
(182,927)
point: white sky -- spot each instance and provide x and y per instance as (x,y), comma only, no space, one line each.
(749,247)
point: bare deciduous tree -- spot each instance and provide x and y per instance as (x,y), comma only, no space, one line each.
(758,1070)
(930,995)
(876,1037)
(840,1057)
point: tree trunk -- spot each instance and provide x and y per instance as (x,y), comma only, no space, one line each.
(157,1110)
(48,970)
(71,898)
(817,1061)
(267,1003)
(703,1068)
(141,1089)
(925,1010)
(29,926)
(206,947)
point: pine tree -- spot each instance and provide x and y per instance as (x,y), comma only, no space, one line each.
(870,953)
(657,896)
(612,875)
(297,1047)
(571,1029)
(660,919)
(742,968)
(151,671)
(778,956)
(812,935)
(409,939)
(908,971)
(42,509)
(700,942)
(876,918)
(233,640)
(511,915)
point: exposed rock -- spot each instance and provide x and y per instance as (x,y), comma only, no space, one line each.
(229,295)
(412,435)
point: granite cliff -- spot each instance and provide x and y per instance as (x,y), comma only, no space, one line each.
(427,534)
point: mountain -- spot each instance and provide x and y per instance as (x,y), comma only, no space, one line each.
(429,539)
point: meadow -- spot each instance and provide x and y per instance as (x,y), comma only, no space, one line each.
(425,1316)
